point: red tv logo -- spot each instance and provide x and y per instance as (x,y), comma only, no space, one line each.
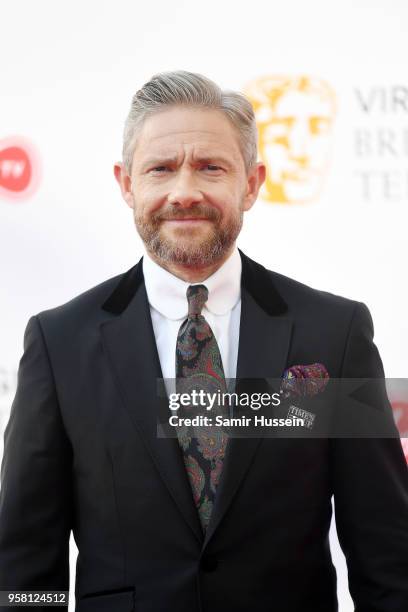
(400,408)
(19,168)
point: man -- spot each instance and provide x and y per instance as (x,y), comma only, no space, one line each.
(165,524)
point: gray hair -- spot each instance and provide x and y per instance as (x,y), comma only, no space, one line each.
(191,89)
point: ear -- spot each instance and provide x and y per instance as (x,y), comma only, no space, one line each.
(125,183)
(254,180)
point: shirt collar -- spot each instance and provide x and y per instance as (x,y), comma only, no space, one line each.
(167,293)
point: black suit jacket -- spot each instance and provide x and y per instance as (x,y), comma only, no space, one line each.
(81,452)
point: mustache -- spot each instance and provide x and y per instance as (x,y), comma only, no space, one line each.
(197,211)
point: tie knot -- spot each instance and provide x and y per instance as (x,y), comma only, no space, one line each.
(197,295)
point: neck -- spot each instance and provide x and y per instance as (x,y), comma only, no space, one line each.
(193,273)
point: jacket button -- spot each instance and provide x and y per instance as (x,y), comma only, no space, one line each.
(208,563)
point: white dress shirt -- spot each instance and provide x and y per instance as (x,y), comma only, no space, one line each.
(169,308)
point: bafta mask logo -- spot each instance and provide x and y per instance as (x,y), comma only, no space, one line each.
(294,118)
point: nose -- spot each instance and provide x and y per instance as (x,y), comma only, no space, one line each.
(185,191)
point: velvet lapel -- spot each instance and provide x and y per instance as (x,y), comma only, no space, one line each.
(132,352)
(128,338)
(265,332)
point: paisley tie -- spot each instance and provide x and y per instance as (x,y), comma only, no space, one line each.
(199,366)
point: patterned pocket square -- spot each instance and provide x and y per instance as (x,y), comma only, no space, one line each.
(304,380)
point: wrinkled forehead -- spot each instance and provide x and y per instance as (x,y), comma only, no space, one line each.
(194,132)
(188,125)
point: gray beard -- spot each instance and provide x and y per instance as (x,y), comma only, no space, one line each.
(205,253)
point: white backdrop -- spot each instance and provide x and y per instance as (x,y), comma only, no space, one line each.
(68,72)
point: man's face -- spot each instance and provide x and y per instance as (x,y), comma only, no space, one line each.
(188,186)
(295,145)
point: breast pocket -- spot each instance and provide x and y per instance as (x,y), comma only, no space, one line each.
(119,601)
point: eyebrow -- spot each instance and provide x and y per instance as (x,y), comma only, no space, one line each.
(210,158)
(154,161)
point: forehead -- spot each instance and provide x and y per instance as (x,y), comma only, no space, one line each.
(205,131)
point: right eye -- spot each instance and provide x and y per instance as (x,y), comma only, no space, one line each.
(158,169)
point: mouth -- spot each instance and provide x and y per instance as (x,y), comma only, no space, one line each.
(187,220)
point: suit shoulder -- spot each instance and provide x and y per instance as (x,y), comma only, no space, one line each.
(324,318)
(278,294)
(300,296)
(87,302)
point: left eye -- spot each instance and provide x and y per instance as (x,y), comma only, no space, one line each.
(212,167)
